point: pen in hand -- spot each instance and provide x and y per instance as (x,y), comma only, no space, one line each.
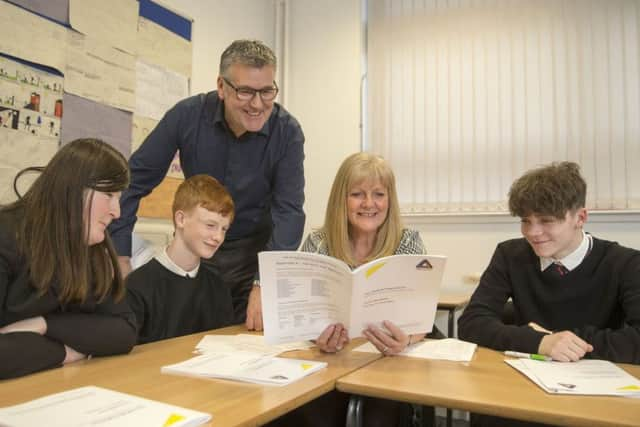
(528,356)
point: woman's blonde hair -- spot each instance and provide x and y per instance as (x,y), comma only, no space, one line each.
(355,169)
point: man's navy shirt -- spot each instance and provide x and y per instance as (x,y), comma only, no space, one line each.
(263,171)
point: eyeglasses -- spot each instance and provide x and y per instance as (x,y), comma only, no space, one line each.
(247,93)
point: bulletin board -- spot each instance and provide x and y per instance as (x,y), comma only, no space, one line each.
(88,68)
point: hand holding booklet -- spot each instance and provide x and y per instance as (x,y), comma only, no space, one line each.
(93,406)
(303,293)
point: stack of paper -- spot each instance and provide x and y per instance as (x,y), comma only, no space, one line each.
(246,366)
(246,342)
(445,349)
(92,406)
(592,377)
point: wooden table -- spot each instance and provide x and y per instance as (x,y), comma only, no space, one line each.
(487,385)
(452,303)
(231,403)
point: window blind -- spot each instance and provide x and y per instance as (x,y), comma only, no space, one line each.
(463,96)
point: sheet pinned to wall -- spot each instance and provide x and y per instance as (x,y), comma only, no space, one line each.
(157,45)
(84,118)
(113,22)
(99,72)
(158,89)
(26,35)
(30,99)
(58,10)
(141,128)
(19,150)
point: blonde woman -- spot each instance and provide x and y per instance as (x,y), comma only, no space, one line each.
(362,223)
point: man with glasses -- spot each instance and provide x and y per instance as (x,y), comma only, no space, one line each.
(253,146)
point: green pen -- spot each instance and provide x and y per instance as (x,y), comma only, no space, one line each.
(528,356)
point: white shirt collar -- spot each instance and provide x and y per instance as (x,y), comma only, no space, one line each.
(163,258)
(574,259)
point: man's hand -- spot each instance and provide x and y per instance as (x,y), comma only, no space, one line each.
(333,338)
(125,265)
(32,324)
(564,346)
(254,310)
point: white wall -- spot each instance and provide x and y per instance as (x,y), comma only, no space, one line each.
(470,241)
(218,23)
(324,90)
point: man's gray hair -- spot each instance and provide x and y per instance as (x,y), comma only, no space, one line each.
(253,53)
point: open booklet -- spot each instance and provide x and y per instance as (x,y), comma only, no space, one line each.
(590,377)
(303,293)
(92,406)
(246,366)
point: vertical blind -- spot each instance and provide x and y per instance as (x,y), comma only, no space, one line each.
(463,96)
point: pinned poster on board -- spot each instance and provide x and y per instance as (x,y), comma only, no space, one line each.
(157,45)
(158,89)
(142,127)
(19,150)
(45,46)
(112,22)
(164,37)
(57,10)
(84,118)
(99,72)
(30,99)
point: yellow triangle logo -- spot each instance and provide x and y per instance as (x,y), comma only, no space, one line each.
(173,418)
(374,269)
(306,366)
(632,387)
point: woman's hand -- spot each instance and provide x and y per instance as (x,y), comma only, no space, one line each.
(32,324)
(333,338)
(386,344)
(71,355)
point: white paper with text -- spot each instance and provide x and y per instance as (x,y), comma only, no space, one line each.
(247,367)
(590,377)
(92,406)
(303,293)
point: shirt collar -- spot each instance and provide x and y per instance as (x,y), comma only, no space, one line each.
(163,258)
(574,259)
(218,118)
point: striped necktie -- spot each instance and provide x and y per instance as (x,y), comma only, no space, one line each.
(560,269)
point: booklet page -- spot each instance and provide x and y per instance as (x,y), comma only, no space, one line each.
(444,349)
(302,293)
(592,377)
(92,406)
(403,289)
(246,366)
